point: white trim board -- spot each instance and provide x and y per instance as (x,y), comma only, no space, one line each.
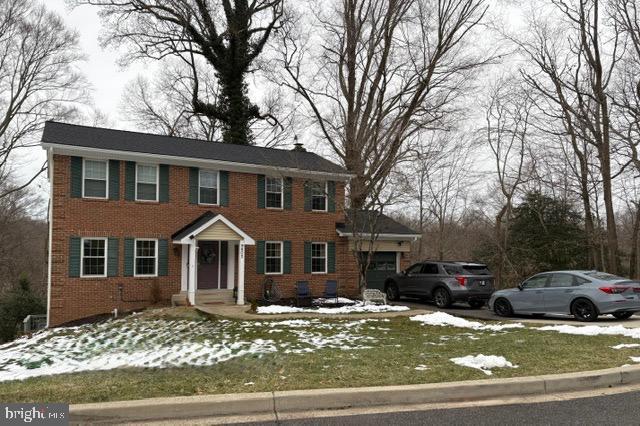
(233,166)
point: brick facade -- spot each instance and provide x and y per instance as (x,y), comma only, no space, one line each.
(75,298)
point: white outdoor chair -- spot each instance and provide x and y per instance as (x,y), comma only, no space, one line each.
(372,295)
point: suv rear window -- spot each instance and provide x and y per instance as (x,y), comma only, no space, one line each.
(476,270)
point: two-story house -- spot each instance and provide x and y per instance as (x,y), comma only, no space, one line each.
(137,219)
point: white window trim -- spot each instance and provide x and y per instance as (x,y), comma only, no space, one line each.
(326,258)
(217,187)
(135,257)
(106,257)
(157,182)
(106,182)
(281,257)
(267,192)
(326,198)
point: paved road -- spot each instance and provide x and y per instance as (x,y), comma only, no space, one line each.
(485,314)
(619,409)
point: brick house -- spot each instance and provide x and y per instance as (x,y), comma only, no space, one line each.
(137,219)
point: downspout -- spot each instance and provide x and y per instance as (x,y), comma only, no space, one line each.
(50,222)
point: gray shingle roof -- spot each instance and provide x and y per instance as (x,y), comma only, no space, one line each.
(383,225)
(146,143)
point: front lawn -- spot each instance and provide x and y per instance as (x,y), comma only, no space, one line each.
(150,355)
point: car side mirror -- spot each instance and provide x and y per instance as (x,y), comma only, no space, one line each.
(520,287)
(403,272)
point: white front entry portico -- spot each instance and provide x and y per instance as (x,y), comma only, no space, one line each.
(213,257)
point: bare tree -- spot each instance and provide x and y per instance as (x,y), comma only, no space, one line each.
(385,71)
(163,104)
(574,60)
(508,116)
(38,79)
(229,36)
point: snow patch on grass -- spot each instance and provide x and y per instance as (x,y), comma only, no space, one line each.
(626,346)
(161,343)
(484,363)
(447,320)
(594,330)
(358,307)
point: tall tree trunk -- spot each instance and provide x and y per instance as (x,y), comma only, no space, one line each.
(633,256)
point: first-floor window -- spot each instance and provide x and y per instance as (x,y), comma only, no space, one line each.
(273,190)
(318,258)
(273,257)
(94,257)
(146,257)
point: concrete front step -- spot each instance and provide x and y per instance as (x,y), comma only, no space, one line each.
(205,297)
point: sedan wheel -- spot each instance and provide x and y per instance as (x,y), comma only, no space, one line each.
(622,315)
(392,292)
(502,307)
(441,298)
(584,310)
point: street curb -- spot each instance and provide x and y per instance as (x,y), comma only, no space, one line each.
(324,399)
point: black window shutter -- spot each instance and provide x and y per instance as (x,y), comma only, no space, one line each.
(128,256)
(76,177)
(288,184)
(260,257)
(307,196)
(130,181)
(331,257)
(194,177)
(163,258)
(112,257)
(307,257)
(331,196)
(261,192)
(224,188)
(163,194)
(114,179)
(74,256)
(286,260)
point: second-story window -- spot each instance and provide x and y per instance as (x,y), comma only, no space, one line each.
(273,192)
(208,191)
(94,181)
(319,196)
(146,183)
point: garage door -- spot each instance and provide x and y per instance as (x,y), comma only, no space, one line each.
(382,266)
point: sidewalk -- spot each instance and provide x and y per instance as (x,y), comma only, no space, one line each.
(242,312)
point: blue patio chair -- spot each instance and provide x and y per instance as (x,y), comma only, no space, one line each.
(331,290)
(303,294)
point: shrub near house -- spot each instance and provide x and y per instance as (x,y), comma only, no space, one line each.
(132,212)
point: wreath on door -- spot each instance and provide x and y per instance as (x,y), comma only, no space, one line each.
(207,256)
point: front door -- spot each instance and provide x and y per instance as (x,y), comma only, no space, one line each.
(530,299)
(212,265)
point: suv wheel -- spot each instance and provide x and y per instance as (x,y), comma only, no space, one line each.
(392,292)
(441,298)
(584,310)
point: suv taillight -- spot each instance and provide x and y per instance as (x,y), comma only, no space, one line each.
(614,290)
(461,280)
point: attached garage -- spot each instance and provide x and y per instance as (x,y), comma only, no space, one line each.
(392,245)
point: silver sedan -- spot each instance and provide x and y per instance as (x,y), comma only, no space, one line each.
(583,294)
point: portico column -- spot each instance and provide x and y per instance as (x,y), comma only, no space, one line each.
(184,269)
(241,256)
(193,270)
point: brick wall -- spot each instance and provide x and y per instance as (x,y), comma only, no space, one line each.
(75,298)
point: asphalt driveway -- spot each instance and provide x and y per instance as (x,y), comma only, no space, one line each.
(463,310)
